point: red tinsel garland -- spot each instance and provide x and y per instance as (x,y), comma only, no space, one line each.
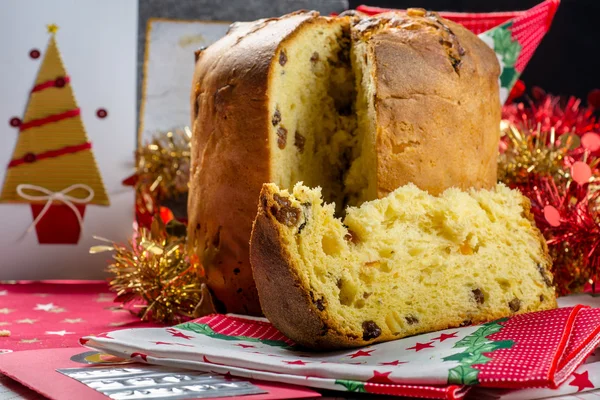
(551,152)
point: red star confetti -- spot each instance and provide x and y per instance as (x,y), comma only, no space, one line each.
(445,336)
(104,335)
(245,346)
(361,353)
(394,363)
(297,362)
(176,333)
(380,377)
(421,346)
(140,355)
(206,360)
(582,381)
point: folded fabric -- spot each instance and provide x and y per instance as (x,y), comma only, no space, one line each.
(514,36)
(540,349)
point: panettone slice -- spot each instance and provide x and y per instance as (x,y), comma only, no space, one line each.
(402,265)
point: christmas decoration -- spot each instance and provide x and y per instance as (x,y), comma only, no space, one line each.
(514,36)
(53,167)
(547,111)
(549,151)
(154,278)
(161,178)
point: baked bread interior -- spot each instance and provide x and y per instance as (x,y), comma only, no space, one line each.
(355,105)
(405,264)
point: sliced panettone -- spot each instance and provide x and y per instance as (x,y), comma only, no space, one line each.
(402,265)
(357,106)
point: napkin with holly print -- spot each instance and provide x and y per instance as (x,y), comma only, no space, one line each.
(541,349)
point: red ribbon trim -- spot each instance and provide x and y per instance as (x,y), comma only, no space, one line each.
(49,154)
(53,118)
(49,84)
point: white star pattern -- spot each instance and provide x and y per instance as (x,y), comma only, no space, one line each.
(59,333)
(3,292)
(26,321)
(72,320)
(5,311)
(44,307)
(104,298)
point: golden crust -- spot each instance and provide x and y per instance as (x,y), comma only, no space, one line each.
(230,123)
(230,153)
(286,300)
(443,67)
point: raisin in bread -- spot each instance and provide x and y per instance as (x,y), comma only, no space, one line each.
(405,264)
(357,106)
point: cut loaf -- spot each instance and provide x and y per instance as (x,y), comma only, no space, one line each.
(405,264)
(357,106)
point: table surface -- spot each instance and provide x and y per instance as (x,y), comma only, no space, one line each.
(56,314)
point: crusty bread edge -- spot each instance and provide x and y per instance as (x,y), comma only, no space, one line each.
(285,299)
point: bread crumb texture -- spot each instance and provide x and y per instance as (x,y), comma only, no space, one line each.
(407,263)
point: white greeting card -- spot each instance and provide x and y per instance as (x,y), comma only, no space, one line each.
(67,134)
(168,71)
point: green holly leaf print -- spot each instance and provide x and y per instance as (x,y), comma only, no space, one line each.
(458,357)
(352,386)
(468,358)
(474,359)
(204,329)
(509,77)
(471,340)
(463,375)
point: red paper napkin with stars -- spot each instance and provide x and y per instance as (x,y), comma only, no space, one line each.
(536,350)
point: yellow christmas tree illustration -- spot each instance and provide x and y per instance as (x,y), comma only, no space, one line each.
(53,167)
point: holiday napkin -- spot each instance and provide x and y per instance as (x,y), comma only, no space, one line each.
(514,36)
(540,349)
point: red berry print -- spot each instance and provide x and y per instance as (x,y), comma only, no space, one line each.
(35,53)
(101,113)
(14,122)
(59,82)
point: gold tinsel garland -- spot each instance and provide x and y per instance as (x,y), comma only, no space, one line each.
(162,175)
(155,278)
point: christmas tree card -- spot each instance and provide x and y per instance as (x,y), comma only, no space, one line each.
(67,133)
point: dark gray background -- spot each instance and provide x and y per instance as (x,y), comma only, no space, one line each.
(224,10)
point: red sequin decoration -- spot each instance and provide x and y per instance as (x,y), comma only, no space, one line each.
(35,53)
(59,82)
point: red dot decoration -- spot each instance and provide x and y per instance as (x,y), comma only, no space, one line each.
(29,158)
(35,53)
(101,113)
(581,172)
(15,122)
(591,141)
(552,215)
(59,82)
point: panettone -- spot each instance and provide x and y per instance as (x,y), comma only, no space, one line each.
(357,106)
(402,265)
